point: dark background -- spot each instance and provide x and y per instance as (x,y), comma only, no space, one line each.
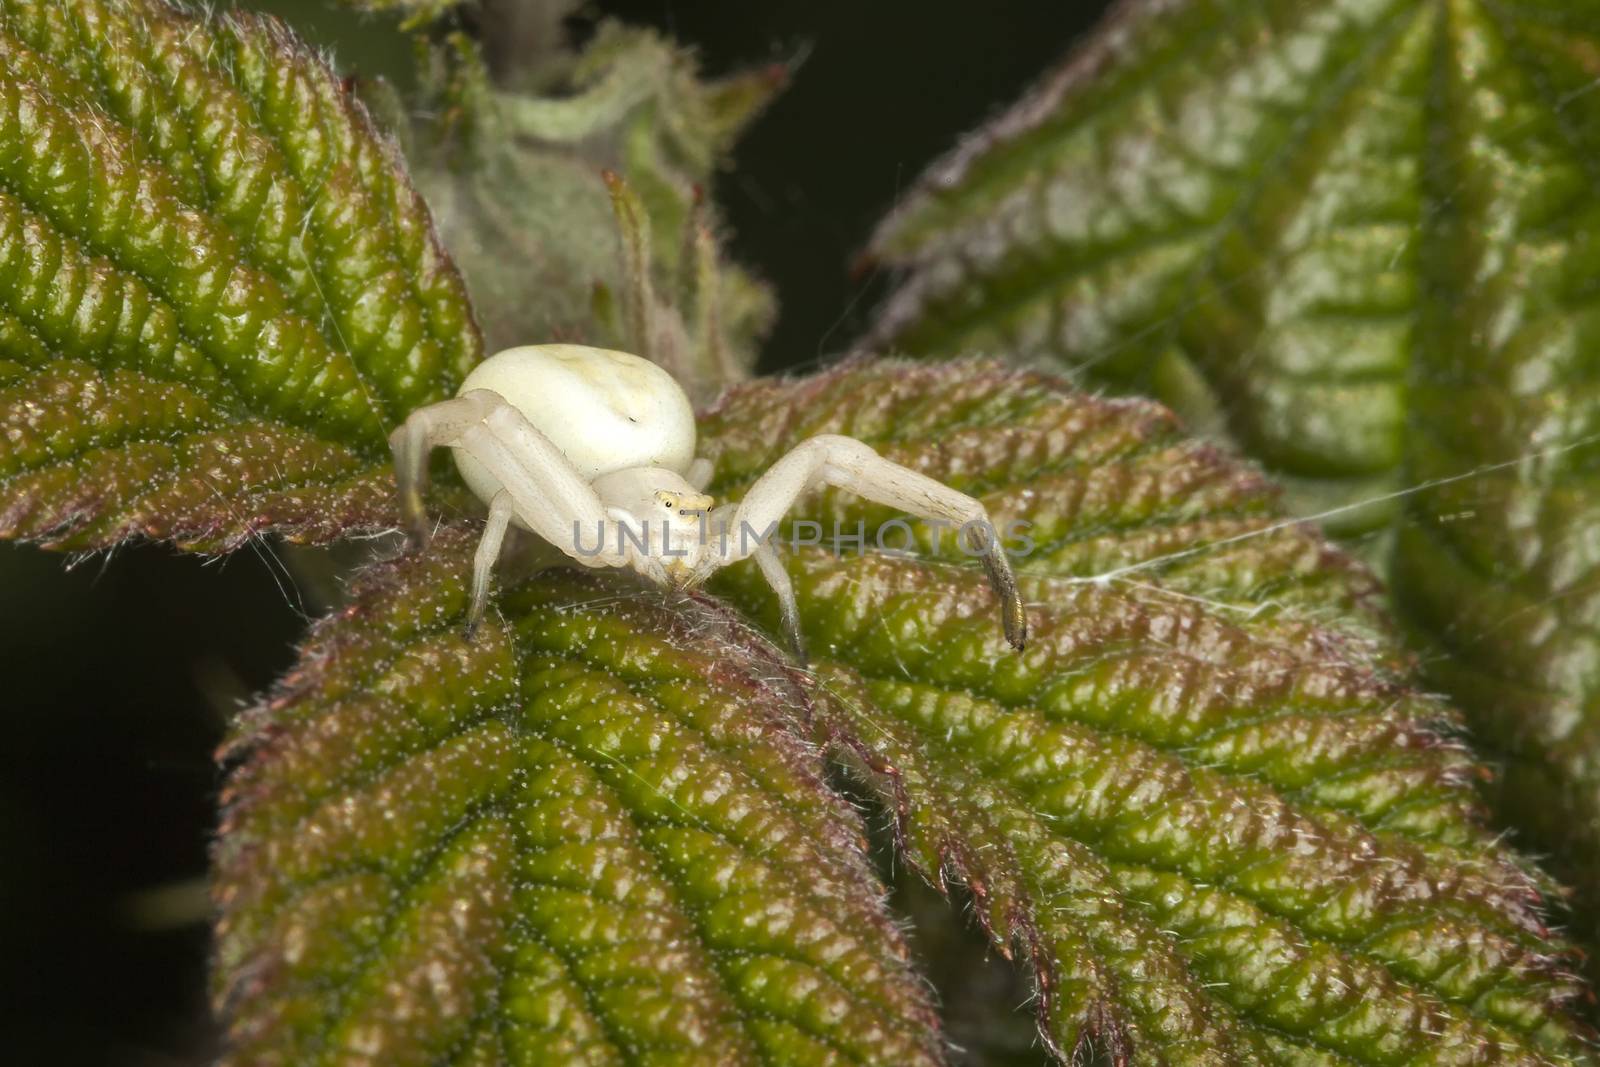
(119,673)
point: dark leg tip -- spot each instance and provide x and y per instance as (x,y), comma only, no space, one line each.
(797,640)
(417,538)
(1015,625)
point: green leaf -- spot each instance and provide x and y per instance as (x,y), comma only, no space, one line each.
(218,290)
(1359,239)
(1204,808)
(1204,805)
(594,834)
(516,178)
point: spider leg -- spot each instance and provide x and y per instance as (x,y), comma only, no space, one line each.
(829,459)
(424,430)
(540,488)
(548,494)
(488,554)
(772,569)
(699,473)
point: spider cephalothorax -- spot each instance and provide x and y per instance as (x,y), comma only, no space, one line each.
(594,451)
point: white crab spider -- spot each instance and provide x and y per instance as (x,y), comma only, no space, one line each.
(572,442)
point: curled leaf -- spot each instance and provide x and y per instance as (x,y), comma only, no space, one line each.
(1358,238)
(218,290)
(530,215)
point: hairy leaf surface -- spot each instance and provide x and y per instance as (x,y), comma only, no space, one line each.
(218,290)
(1203,808)
(1204,805)
(1360,239)
(594,834)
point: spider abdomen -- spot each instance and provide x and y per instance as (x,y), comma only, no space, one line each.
(606,411)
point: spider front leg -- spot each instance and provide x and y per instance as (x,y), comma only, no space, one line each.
(724,545)
(771,566)
(830,459)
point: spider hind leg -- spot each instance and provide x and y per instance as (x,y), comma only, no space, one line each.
(424,430)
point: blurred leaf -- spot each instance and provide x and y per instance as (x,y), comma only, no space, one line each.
(1204,808)
(516,182)
(218,291)
(414,13)
(1360,239)
(1211,202)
